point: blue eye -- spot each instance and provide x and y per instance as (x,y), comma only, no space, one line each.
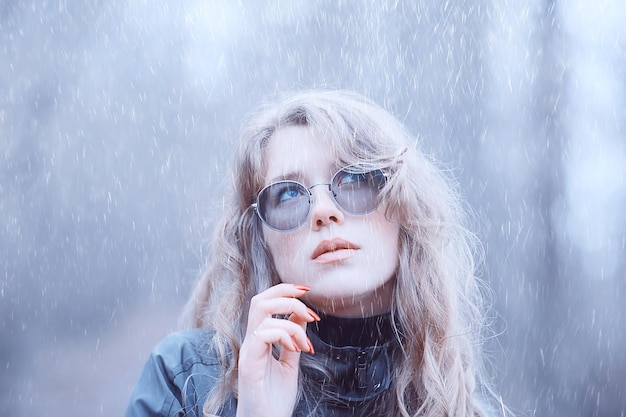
(286,193)
(350,178)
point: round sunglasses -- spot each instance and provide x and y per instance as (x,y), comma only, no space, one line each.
(285,205)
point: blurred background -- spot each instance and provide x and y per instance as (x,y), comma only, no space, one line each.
(118,119)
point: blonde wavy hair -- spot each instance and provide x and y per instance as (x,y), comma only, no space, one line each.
(437,308)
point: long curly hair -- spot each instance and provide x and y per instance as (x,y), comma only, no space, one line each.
(437,307)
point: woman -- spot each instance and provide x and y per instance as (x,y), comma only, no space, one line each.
(341,281)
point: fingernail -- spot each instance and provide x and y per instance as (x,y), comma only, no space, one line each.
(313,314)
(295,347)
(311,350)
(303,287)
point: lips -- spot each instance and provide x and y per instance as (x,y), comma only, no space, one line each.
(332,245)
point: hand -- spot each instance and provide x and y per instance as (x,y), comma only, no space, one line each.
(267,386)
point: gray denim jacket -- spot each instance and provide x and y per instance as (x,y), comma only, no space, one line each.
(181,371)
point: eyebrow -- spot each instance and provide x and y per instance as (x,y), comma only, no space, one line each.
(291,176)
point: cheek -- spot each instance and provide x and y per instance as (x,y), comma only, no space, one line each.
(284,250)
(386,257)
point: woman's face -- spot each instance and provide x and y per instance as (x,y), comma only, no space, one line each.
(357,278)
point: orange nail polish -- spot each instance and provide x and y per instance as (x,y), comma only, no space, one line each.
(303,287)
(313,314)
(311,350)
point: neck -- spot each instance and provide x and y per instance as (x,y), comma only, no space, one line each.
(355,306)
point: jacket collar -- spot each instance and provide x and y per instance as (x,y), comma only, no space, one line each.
(353,374)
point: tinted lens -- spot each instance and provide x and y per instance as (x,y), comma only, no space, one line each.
(357,193)
(284,205)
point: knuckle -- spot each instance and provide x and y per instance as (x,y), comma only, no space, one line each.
(254,299)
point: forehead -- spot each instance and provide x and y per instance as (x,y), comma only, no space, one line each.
(299,151)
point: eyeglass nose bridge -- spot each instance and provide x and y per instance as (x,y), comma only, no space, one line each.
(313,199)
(327,184)
(317,185)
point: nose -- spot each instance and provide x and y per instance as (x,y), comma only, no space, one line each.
(324,209)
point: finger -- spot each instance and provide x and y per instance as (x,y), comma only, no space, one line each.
(309,347)
(284,306)
(283,290)
(296,332)
(279,299)
(276,335)
(255,355)
(289,355)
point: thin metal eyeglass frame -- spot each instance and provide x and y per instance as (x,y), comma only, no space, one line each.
(376,172)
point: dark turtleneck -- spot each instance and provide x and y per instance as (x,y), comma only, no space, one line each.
(357,332)
(357,356)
